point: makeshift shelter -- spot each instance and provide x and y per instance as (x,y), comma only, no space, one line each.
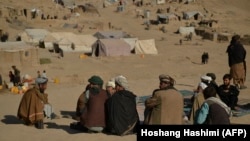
(166,17)
(131,42)
(70,42)
(186,30)
(83,43)
(107,3)
(162,18)
(18,53)
(196,15)
(49,40)
(160,1)
(87,8)
(111,34)
(145,47)
(209,23)
(59,39)
(33,36)
(110,47)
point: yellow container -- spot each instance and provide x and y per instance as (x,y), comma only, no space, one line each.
(56,80)
(1,87)
(14,90)
(83,56)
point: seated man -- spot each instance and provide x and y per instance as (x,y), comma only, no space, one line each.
(197,99)
(122,115)
(80,105)
(229,93)
(110,87)
(213,110)
(34,105)
(93,115)
(166,104)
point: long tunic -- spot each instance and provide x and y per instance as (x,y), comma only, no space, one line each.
(166,107)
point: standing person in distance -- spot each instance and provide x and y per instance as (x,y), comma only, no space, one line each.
(17,78)
(44,74)
(237,62)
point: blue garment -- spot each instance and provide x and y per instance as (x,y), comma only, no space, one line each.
(201,114)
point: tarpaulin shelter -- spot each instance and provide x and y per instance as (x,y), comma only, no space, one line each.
(146,46)
(110,47)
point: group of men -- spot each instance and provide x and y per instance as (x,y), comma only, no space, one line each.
(209,93)
(113,110)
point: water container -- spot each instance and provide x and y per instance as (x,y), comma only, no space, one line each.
(56,80)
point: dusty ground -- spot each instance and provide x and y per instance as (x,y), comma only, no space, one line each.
(181,62)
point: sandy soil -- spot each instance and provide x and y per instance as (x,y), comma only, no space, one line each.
(182,62)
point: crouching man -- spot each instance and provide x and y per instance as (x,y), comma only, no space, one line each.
(34,106)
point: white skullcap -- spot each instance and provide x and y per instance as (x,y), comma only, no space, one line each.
(122,81)
(110,84)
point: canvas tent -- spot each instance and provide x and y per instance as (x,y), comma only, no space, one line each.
(186,30)
(162,18)
(166,17)
(160,1)
(146,46)
(111,34)
(18,53)
(196,15)
(33,36)
(131,42)
(107,3)
(110,47)
(70,42)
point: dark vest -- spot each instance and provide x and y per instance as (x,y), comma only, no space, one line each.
(94,115)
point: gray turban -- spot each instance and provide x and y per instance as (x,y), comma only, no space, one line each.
(41,80)
(122,81)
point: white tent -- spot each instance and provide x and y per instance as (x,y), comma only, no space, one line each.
(145,47)
(160,1)
(186,30)
(70,42)
(33,36)
(192,15)
(131,42)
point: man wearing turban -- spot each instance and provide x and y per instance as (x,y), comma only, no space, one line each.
(166,104)
(237,62)
(34,105)
(122,115)
(92,118)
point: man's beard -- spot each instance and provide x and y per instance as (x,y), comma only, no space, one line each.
(42,91)
(94,90)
